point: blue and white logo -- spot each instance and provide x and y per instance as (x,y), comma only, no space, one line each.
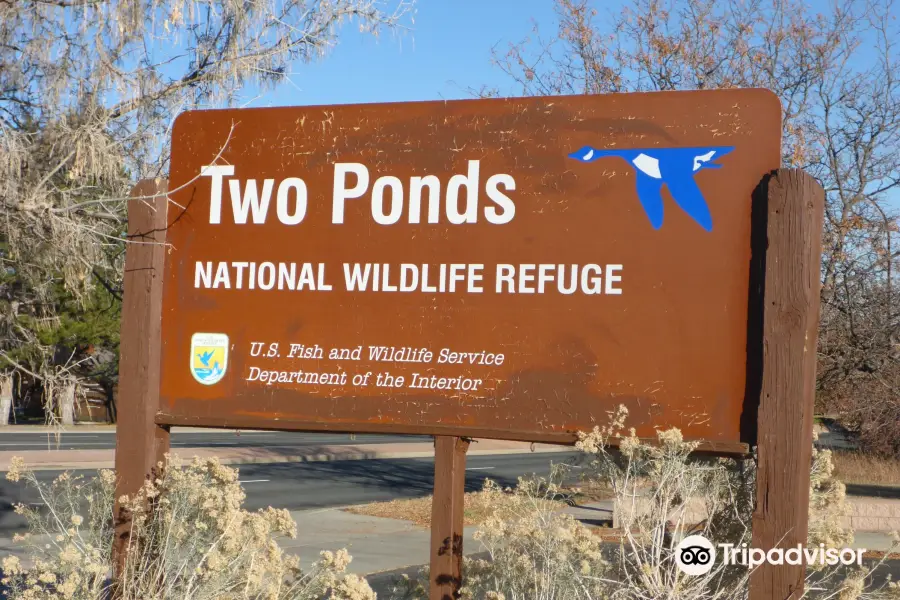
(209,357)
(674,167)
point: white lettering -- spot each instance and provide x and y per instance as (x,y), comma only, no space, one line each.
(434,198)
(357,277)
(505,274)
(239,275)
(378,213)
(251,201)
(611,279)
(470,182)
(307,280)
(503,202)
(217,172)
(266,276)
(222,276)
(322,285)
(590,279)
(284,189)
(287,275)
(409,277)
(340,191)
(203,274)
(475,275)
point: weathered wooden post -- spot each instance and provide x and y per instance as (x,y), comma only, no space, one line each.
(140,443)
(447,516)
(794,209)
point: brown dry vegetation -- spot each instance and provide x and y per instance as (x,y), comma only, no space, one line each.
(590,490)
(855,467)
(479,506)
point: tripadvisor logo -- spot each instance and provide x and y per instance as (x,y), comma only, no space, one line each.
(696,555)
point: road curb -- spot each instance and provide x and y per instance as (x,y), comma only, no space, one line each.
(100,428)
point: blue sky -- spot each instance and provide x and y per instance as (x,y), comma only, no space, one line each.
(445,53)
(447,50)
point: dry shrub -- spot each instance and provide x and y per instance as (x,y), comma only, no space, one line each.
(535,551)
(69,545)
(827,503)
(190,538)
(656,489)
(869,405)
(856,467)
(663,493)
(194,540)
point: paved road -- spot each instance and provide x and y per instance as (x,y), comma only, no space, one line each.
(99,440)
(298,486)
(837,439)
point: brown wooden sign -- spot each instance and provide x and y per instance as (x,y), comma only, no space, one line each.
(496,268)
(511,268)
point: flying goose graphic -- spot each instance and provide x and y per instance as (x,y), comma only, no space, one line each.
(674,167)
(204,357)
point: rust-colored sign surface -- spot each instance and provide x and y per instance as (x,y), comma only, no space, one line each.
(501,268)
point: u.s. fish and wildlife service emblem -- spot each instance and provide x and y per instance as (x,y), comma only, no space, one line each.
(209,357)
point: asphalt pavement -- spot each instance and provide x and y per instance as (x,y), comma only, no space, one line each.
(301,486)
(100,439)
(211,438)
(837,438)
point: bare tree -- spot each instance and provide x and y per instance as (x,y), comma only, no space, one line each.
(88,92)
(836,73)
(6,396)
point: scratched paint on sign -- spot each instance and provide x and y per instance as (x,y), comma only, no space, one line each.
(509,268)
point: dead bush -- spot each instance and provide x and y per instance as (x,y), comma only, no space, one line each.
(190,539)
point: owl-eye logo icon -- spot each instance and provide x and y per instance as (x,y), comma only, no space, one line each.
(695,555)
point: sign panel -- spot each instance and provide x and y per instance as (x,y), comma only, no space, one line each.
(510,268)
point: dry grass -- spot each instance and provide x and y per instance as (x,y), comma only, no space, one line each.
(418,510)
(589,491)
(855,467)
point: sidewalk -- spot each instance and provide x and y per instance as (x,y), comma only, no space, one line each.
(380,544)
(375,543)
(104,459)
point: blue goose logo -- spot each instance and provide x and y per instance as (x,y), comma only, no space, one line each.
(674,167)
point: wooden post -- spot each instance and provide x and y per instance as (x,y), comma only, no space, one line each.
(140,443)
(794,212)
(447,516)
